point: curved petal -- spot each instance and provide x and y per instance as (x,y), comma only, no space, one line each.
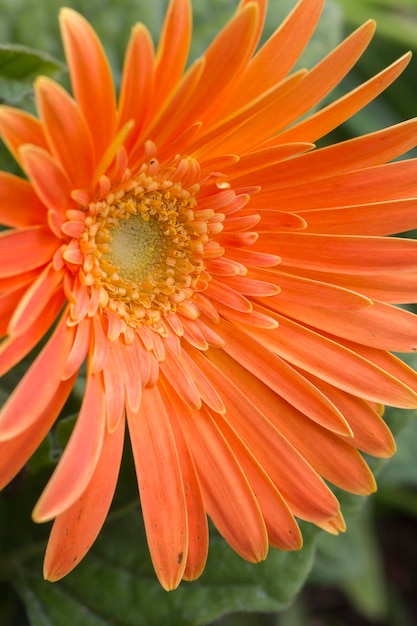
(15,452)
(312,352)
(67,132)
(35,300)
(19,205)
(80,457)
(198,536)
(283,530)
(229,498)
(8,303)
(291,448)
(40,382)
(75,530)
(50,182)
(26,249)
(161,492)
(172,51)
(18,128)
(91,78)
(137,80)
(280,376)
(13,349)
(277,56)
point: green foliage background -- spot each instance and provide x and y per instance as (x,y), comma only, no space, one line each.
(115,584)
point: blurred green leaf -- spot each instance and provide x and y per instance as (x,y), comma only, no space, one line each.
(116,580)
(368,589)
(402,468)
(20,63)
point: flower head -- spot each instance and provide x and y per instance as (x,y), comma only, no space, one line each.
(229,286)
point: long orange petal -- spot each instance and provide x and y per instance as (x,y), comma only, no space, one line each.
(75,530)
(80,457)
(66,130)
(198,536)
(137,80)
(283,530)
(330,456)
(91,78)
(13,349)
(161,492)
(18,128)
(281,377)
(228,496)
(15,452)
(35,300)
(329,117)
(26,249)
(41,380)
(172,52)
(19,205)
(350,371)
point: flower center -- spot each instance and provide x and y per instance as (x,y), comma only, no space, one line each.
(136,247)
(144,244)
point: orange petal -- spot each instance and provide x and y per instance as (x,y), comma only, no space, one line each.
(66,130)
(50,183)
(278,55)
(370,433)
(41,380)
(390,286)
(304,291)
(329,117)
(75,530)
(137,80)
(91,78)
(343,253)
(80,457)
(354,154)
(319,81)
(172,52)
(283,530)
(15,452)
(161,492)
(350,371)
(79,348)
(26,249)
(330,456)
(180,379)
(18,128)
(228,496)
(378,218)
(114,391)
(13,349)
(281,377)
(196,513)
(8,303)
(380,325)
(390,181)
(35,300)
(19,205)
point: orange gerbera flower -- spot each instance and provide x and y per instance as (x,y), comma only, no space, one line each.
(229,286)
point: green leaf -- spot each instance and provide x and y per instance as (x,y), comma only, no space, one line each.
(368,590)
(22,63)
(115,584)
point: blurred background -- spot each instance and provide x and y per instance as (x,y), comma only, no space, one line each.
(368,576)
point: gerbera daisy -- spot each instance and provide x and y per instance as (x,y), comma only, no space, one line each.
(228,287)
